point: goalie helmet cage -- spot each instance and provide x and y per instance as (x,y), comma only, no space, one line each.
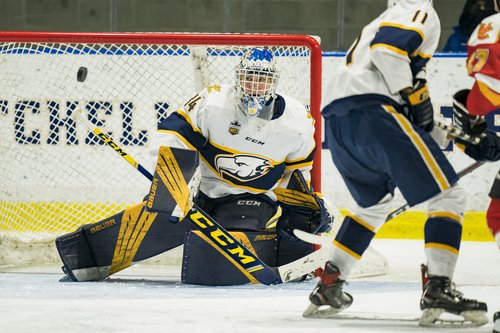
(55,176)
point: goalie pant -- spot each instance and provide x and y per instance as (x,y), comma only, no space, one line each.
(96,251)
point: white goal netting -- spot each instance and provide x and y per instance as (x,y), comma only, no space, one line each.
(55,175)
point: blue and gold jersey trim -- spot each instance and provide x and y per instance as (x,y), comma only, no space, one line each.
(404,41)
(252,172)
(301,162)
(179,124)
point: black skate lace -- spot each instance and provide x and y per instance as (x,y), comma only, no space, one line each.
(451,287)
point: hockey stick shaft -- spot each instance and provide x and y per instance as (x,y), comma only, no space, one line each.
(109,141)
(457,133)
(218,237)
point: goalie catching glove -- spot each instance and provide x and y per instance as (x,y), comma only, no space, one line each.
(302,209)
(419,106)
(462,119)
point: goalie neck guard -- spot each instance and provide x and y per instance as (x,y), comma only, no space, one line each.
(256,80)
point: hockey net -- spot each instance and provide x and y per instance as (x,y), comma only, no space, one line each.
(55,175)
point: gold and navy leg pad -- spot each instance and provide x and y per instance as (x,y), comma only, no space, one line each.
(204,263)
(98,250)
(75,253)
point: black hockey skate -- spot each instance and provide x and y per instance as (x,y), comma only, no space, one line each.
(496,322)
(328,294)
(439,296)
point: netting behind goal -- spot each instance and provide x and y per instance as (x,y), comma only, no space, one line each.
(55,175)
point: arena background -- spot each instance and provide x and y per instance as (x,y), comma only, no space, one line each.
(336,22)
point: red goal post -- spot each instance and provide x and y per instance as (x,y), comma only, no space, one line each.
(55,175)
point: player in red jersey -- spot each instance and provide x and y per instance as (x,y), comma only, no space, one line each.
(471,107)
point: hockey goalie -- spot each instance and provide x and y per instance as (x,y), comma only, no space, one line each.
(254,150)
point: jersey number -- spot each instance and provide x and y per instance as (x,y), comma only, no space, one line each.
(348,58)
(422,16)
(477,60)
(419,16)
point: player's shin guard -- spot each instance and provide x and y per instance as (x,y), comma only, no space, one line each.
(493,219)
(443,231)
(442,244)
(356,233)
(351,242)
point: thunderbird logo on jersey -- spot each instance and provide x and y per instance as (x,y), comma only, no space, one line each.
(245,168)
(484,29)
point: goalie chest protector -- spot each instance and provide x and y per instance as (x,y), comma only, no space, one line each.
(203,264)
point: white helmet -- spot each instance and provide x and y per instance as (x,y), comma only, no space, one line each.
(256,81)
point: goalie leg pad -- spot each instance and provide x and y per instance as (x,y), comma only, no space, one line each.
(203,264)
(291,249)
(78,259)
(98,250)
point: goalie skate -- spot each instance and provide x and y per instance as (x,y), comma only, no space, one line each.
(440,296)
(328,299)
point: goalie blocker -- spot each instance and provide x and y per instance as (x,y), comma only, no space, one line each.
(95,251)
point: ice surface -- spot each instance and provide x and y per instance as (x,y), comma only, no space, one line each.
(149,299)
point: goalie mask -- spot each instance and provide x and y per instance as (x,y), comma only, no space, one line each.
(256,81)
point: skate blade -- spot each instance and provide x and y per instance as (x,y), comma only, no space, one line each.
(323,311)
(66,278)
(430,318)
(331,313)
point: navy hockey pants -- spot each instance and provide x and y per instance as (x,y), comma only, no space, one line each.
(377,149)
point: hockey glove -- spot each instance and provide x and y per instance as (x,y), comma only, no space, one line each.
(419,105)
(488,149)
(469,124)
(304,218)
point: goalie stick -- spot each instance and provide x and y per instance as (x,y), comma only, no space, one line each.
(248,263)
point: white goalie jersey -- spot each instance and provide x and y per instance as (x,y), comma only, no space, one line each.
(237,156)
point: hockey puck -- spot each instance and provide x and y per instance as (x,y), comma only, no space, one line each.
(82,74)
